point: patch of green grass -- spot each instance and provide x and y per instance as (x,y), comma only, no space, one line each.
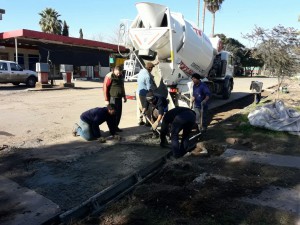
(297,108)
(241,118)
(247,129)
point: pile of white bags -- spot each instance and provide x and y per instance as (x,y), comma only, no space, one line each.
(276,116)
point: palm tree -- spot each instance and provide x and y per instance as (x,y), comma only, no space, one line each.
(213,6)
(49,22)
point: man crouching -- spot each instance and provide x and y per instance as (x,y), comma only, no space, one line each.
(179,118)
(90,121)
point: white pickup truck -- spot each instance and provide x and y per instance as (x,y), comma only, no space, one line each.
(11,72)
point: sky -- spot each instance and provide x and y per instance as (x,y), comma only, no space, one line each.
(100,19)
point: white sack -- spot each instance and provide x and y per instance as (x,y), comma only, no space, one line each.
(276,116)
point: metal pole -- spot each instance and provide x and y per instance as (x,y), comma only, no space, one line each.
(203,15)
(198,13)
(16,48)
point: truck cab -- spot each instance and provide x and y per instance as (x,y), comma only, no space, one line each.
(220,76)
(11,72)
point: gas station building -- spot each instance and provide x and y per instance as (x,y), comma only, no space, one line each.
(90,59)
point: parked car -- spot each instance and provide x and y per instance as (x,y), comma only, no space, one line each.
(11,72)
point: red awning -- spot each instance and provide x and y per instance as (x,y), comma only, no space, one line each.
(31,35)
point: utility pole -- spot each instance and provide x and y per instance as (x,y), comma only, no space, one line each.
(198,13)
(203,15)
(2,11)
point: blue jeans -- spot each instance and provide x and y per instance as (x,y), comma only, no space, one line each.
(85,131)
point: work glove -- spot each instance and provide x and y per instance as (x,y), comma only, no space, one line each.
(117,137)
(102,139)
(106,103)
(155,125)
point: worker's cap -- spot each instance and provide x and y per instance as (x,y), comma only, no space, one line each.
(149,65)
(196,76)
(149,96)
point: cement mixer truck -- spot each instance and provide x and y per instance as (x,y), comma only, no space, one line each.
(179,48)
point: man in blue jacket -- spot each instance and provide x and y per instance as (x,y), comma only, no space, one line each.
(145,83)
(201,95)
(90,121)
(157,102)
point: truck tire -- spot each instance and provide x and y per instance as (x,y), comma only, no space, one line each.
(30,82)
(16,83)
(226,92)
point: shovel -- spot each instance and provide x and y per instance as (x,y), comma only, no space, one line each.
(151,124)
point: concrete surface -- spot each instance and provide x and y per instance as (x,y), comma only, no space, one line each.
(233,155)
(24,206)
(279,198)
(275,197)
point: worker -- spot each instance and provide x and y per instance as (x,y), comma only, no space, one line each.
(157,102)
(179,118)
(199,101)
(114,91)
(145,83)
(90,121)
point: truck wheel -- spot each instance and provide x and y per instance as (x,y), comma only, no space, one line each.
(226,90)
(31,82)
(16,83)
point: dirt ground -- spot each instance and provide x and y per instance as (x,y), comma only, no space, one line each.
(176,196)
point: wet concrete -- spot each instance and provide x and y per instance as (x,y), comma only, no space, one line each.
(69,184)
(45,188)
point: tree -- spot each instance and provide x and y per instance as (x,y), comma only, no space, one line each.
(278,48)
(49,22)
(80,34)
(98,37)
(114,38)
(250,60)
(237,49)
(65,31)
(213,6)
